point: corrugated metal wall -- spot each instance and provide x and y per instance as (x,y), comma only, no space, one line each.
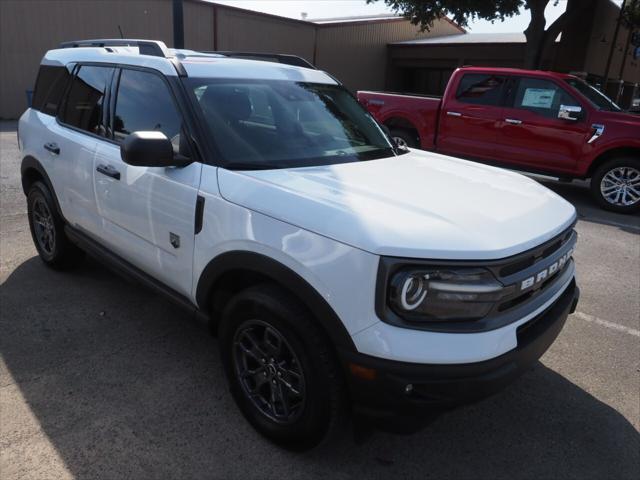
(29,28)
(600,46)
(245,31)
(355,53)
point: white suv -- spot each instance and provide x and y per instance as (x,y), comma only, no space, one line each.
(340,272)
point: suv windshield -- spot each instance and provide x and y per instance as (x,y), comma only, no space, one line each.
(596,97)
(261,124)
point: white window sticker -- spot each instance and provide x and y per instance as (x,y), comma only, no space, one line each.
(538,97)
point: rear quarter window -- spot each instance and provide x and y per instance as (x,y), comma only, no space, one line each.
(50,86)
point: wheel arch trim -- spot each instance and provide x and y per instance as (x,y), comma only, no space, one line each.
(30,163)
(239,260)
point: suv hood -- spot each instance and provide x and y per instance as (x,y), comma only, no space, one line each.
(419,205)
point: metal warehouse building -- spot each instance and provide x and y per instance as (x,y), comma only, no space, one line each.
(373,53)
(354,50)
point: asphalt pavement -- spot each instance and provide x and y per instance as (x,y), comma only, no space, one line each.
(101,379)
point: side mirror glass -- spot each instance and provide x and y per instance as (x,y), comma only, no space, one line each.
(570,112)
(150,149)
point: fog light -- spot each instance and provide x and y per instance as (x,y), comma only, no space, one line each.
(408,389)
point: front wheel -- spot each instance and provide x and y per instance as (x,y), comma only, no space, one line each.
(616,185)
(281,370)
(405,139)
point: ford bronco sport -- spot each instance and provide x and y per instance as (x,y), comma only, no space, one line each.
(339,272)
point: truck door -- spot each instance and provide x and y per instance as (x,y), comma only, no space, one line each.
(148,213)
(531,134)
(471,115)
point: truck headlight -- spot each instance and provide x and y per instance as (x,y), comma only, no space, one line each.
(441,294)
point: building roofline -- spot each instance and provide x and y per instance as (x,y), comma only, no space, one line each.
(313,23)
(253,12)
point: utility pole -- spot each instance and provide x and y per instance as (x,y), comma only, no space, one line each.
(178,24)
(613,46)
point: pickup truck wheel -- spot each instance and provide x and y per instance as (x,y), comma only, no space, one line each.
(280,368)
(404,139)
(616,185)
(47,230)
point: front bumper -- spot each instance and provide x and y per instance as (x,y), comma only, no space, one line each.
(380,388)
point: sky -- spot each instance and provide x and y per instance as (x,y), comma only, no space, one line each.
(344,8)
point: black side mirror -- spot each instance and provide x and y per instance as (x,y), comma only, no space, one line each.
(150,149)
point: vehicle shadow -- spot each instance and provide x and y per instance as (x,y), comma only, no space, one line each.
(125,386)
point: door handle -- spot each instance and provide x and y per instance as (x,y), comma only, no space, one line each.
(52,147)
(109,171)
(454,114)
(513,121)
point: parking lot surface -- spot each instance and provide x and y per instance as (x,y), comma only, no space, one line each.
(100,378)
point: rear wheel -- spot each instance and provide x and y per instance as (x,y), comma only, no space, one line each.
(616,185)
(280,368)
(404,139)
(47,230)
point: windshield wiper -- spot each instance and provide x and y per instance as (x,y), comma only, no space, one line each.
(251,166)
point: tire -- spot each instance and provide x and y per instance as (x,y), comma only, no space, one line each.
(47,230)
(404,139)
(615,185)
(249,330)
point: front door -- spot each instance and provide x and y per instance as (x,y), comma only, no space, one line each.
(470,117)
(148,213)
(532,135)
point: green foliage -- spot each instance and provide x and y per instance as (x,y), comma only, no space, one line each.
(425,12)
(631,14)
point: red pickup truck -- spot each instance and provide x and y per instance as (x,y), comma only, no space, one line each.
(542,122)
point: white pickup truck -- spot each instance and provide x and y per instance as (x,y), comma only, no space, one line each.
(340,272)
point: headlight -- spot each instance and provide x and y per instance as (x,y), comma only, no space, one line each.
(440,294)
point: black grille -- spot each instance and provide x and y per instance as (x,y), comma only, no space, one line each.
(530,258)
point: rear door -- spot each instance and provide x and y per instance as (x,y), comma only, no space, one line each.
(79,127)
(531,134)
(148,213)
(470,117)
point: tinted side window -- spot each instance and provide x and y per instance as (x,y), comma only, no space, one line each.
(541,96)
(145,103)
(50,86)
(481,89)
(85,103)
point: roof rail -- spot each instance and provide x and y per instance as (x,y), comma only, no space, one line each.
(268,57)
(154,48)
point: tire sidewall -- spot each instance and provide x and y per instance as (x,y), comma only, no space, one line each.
(39,191)
(314,420)
(406,136)
(596,180)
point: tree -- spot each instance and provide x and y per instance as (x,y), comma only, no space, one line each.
(538,35)
(631,14)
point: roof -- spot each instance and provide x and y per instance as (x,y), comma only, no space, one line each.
(518,71)
(466,38)
(196,64)
(359,18)
(320,22)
